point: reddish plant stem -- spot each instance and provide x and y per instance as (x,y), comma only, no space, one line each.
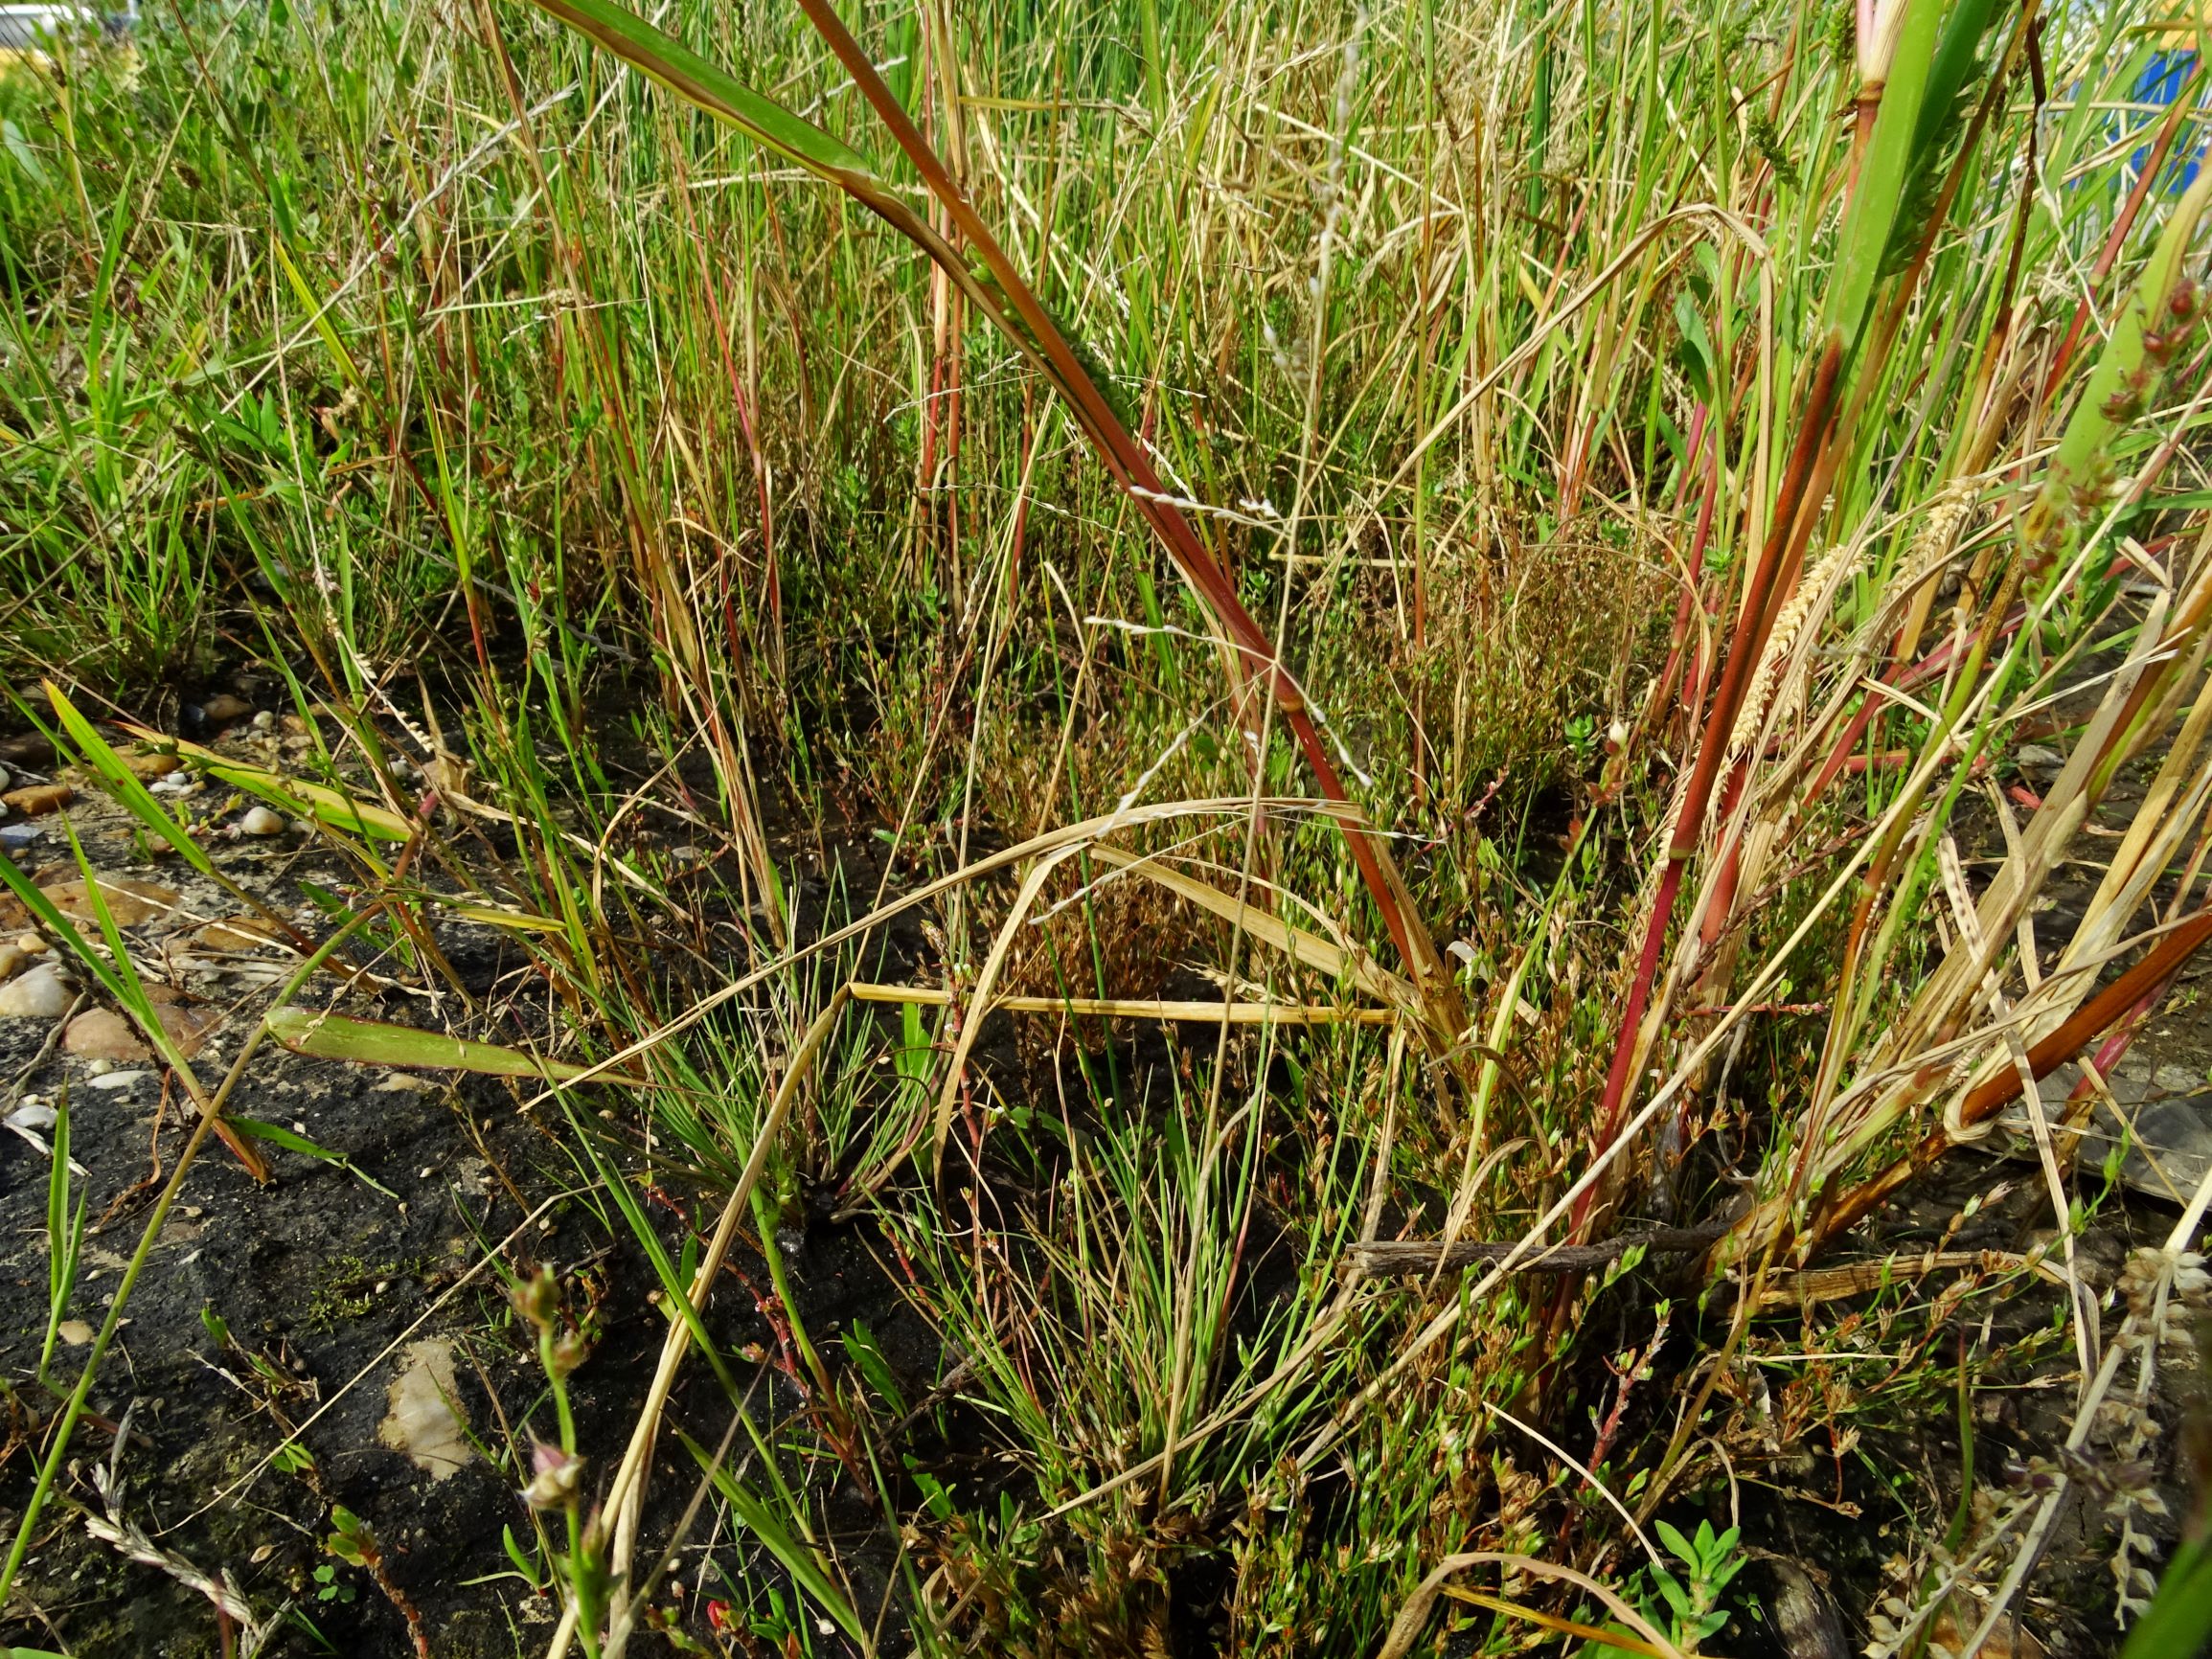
(2164,960)
(1753,624)
(1127,461)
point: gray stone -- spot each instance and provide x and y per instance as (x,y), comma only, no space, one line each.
(2168,1135)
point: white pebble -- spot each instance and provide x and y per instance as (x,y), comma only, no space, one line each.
(260,821)
(119,1080)
(40,995)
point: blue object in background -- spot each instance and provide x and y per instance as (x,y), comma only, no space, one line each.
(2161,82)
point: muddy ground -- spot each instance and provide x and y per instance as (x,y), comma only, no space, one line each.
(304,1302)
(301,1302)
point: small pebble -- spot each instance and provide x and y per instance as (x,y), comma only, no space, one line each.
(7,780)
(221,709)
(2038,757)
(260,821)
(30,943)
(100,1033)
(40,995)
(14,959)
(264,721)
(34,1114)
(14,837)
(119,1080)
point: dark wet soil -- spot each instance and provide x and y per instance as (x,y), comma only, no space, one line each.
(297,1304)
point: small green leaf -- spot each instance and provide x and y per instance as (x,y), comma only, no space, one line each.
(12,136)
(523,1564)
(275,1134)
(861,1346)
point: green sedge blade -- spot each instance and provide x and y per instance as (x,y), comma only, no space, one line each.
(662,58)
(798,1558)
(133,794)
(1885,174)
(337,1036)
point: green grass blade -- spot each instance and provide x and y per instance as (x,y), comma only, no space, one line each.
(333,806)
(799,1561)
(337,1036)
(1884,183)
(134,796)
(662,58)
(2181,1616)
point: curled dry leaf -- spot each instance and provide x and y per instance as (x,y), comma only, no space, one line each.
(129,902)
(236,933)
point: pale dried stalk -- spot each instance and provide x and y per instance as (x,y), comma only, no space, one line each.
(2132,1333)
(1913,1057)
(1137,1007)
(626,1495)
